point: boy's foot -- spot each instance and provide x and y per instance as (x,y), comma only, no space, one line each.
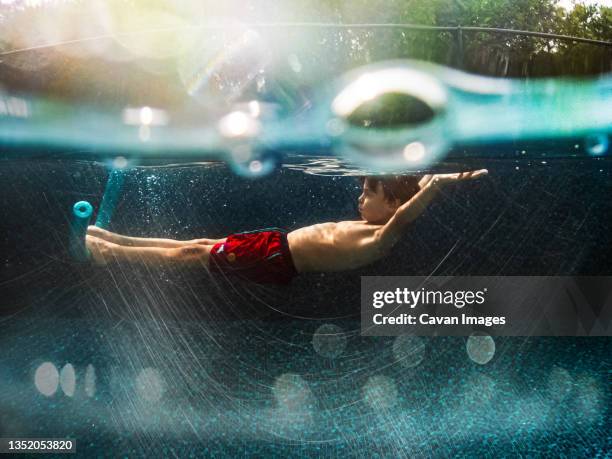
(99,249)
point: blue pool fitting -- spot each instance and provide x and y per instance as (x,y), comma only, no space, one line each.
(81,213)
(110,198)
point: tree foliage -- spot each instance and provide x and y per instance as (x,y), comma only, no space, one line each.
(493,53)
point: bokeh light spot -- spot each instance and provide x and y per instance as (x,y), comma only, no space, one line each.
(329,341)
(380,392)
(67,379)
(409,350)
(46,379)
(150,385)
(480,348)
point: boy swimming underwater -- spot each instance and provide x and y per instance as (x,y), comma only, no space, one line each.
(387,206)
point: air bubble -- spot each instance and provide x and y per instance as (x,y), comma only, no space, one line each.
(237,125)
(414,151)
(390,117)
(120,162)
(255,165)
(596,145)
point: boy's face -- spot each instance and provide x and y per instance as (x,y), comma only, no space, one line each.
(373,206)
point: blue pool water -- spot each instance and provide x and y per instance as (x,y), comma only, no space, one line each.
(215,127)
(144,362)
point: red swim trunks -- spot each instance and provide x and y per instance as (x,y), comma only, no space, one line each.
(260,256)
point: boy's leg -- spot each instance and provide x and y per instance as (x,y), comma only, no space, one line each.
(128,241)
(103,251)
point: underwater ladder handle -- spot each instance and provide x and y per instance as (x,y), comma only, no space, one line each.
(81,213)
(82,210)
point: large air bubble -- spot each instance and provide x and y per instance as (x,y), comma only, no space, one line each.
(390,118)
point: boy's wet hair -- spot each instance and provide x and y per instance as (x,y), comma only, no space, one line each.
(402,187)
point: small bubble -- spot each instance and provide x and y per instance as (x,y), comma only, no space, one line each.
(120,162)
(414,151)
(255,166)
(597,145)
(238,124)
(259,167)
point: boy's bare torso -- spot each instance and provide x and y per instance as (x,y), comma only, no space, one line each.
(334,246)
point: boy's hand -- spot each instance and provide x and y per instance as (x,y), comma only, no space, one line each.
(439,180)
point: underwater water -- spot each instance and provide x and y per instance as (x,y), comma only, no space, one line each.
(159,362)
(218,127)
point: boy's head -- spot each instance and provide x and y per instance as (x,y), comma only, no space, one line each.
(382,195)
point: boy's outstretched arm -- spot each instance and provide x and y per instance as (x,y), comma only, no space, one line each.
(430,185)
